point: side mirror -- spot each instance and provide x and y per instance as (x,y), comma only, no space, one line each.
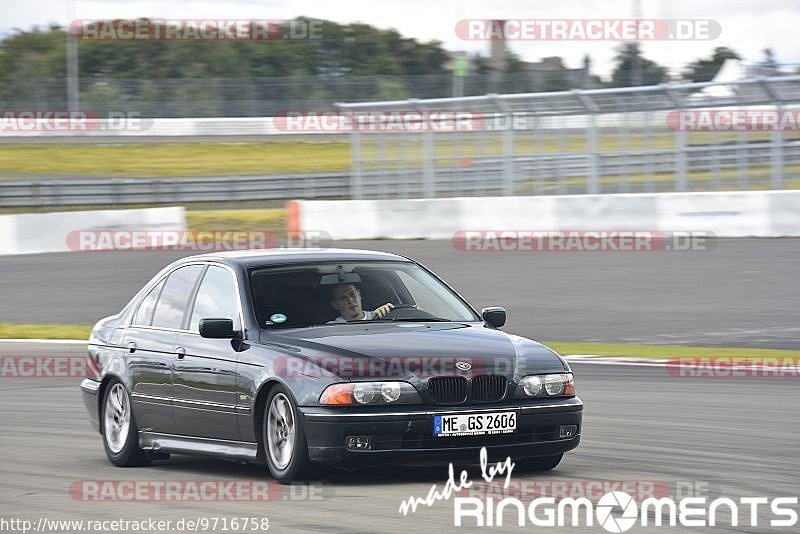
(217,328)
(495,316)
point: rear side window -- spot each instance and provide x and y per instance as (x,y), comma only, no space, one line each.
(216,298)
(171,306)
(144,315)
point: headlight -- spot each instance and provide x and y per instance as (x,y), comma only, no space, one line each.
(364,392)
(390,391)
(531,385)
(553,385)
(370,393)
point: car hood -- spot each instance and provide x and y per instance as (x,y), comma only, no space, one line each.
(406,350)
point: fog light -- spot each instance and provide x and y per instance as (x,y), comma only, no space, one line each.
(567,431)
(359,443)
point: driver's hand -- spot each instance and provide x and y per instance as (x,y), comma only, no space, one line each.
(381,311)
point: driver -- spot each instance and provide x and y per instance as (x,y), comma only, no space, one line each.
(346,299)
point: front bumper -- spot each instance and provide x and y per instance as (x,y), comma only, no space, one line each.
(407,433)
(89,389)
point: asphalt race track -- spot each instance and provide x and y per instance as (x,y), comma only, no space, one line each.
(744,292)
(722,436)
(731,437)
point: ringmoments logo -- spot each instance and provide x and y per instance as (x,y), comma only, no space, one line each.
(615,511)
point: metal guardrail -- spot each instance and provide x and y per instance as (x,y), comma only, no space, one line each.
(539,174)
(114,191)
(633,116)
(563,153)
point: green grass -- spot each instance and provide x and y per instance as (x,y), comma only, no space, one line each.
(171,160)
(273,220)
(59,331)
(666,351)
(163,160)
(44,331)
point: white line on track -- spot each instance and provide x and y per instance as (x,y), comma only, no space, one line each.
(673,362)
(47,341)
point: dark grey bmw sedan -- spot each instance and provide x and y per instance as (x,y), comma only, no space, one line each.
(342,357)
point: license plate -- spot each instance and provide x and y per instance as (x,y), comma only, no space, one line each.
(474,424)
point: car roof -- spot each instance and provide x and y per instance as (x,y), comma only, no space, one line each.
(281,256)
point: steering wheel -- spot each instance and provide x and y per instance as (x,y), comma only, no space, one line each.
(399,312)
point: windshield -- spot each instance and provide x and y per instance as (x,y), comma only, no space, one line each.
(340,293)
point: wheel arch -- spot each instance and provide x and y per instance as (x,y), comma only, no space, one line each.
(101,395)
(259,407)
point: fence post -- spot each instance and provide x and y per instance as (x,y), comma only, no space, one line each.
(776,152)
(776,144)
(680,143)
(428,165)
(356,174)
(508,157)
(508,145)
(593,180)
(680,160)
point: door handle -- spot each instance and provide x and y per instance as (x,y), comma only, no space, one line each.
(132,347)
(181,352)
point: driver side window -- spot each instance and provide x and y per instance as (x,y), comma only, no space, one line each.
(217,298)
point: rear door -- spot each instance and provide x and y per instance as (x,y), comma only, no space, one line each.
(151,340)
(204,375)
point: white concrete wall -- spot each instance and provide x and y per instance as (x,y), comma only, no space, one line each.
(34,233)
(726,214)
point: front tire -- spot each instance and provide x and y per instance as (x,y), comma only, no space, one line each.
(119,430)
(285,446)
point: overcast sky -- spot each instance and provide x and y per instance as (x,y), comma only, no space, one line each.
(748,26)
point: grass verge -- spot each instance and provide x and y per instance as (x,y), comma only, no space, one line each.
(666,351)
(273,220)
(173,159)
(57,331)
(44,331)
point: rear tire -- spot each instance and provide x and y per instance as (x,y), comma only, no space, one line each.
(284,439)
(118,428)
